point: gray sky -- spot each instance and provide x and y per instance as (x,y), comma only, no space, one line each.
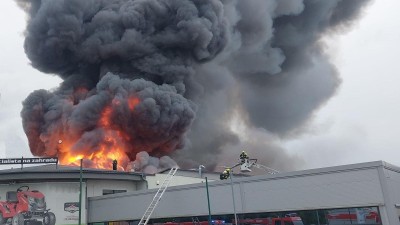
(17,80)
(359,124)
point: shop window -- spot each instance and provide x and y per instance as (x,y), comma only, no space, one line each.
(366,215)
(342,216)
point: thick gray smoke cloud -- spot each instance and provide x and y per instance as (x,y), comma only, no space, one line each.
(112,54)
(149,164)
(273,74)
(161,70)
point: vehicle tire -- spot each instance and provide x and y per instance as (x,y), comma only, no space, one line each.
(18,219)
(49,219)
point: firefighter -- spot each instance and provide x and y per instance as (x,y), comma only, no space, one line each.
(243,156)
(224,175)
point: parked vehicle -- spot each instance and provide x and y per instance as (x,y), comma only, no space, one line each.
(197,222)
(350,216)
(287,220)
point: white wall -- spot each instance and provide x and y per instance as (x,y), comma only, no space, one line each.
(96,187)
(334,190)
(391,184)
(315,189)
(175,181)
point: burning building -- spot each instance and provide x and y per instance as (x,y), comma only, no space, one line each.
(168,77)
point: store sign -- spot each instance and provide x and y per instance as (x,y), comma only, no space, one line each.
(28,160)
(71,207)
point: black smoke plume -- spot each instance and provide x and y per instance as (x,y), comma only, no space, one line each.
(170,76)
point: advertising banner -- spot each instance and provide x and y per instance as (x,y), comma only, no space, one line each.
(28,160)
(41,203)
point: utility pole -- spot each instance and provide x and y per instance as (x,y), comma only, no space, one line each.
(208,201)
(245,164)
(80,194)
(233,197)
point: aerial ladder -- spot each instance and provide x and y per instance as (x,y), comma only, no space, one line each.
(246,164)
(157,197)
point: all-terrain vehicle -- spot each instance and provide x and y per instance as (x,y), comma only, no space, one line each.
(25,207)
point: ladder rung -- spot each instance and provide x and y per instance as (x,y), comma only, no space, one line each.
(157,197)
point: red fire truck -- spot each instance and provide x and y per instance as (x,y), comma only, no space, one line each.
(195,222)
(350,216)
(287,220)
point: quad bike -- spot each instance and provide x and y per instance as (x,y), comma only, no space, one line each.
(25,206)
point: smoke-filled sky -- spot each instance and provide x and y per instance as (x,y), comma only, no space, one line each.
(276,102)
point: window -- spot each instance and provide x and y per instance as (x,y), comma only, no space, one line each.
(338,216)
(109,191)
(366,215)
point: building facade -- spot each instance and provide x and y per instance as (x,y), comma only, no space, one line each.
(49,195)
(366,193)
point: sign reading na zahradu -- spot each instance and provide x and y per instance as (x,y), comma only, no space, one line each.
(28,160)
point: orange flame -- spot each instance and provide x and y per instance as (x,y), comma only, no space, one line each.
(105,117)
(132,103)
(113,146)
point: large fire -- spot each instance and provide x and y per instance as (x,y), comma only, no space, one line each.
(112,146)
